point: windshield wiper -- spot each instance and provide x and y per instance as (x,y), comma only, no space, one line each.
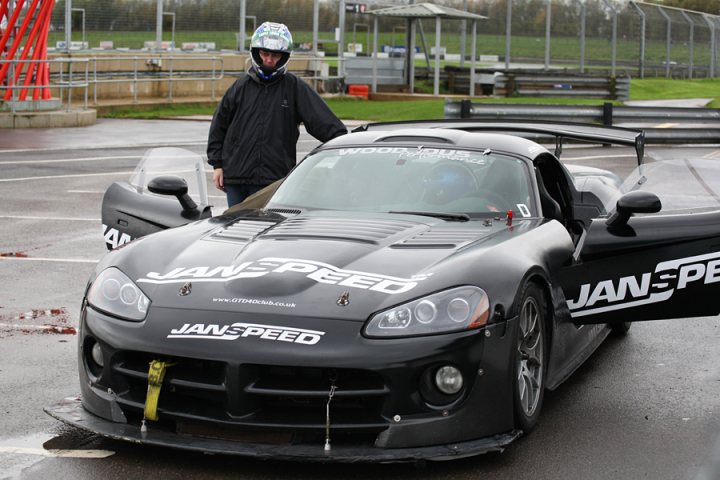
(452,217)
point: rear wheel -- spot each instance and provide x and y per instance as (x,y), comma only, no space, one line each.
(530,353)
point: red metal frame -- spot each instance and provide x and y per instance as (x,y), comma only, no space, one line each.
(38,13)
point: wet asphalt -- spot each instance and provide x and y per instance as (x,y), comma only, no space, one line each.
(643,406)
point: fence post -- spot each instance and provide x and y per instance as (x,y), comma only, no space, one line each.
(641,65)
(510,85)
(691,41)
(711,25)
(465,108)
(668,39)
(608,114)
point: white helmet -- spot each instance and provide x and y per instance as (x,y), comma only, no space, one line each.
(273,37)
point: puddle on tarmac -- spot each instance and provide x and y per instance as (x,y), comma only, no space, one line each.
(30,441)
(64,438)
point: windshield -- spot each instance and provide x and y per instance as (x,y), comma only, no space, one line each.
(409,179)
(683,186)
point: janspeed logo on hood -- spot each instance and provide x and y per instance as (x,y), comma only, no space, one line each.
(650,287)
(317,271)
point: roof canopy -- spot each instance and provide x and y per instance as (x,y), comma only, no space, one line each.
(426,10)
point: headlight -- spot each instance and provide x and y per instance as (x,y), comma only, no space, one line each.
(460,308)
(113,292)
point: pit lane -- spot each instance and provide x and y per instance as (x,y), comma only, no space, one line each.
(643,406)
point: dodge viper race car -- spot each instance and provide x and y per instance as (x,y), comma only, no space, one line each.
(408,292)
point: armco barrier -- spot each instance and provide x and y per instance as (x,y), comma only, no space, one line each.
(543,84)
(606,114)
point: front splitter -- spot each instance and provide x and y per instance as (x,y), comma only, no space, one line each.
(71,411)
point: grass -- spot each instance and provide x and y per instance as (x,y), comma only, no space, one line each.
(562,48)
(660,88)
(351,108)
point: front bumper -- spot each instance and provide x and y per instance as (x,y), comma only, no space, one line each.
(71,411)
(248,399)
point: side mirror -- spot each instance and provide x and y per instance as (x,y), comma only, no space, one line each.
(172,185)
(632,203)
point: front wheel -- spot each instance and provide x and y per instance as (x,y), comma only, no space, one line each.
(529,362)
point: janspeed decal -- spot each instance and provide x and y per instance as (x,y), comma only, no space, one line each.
(317,271)
(647,288)
(114,238)
(247,330)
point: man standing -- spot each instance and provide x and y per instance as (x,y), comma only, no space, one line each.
(254,131)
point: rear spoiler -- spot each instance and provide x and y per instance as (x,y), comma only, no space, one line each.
(559,130)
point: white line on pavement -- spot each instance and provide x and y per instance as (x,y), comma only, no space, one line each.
(64,219)
(68,329)
(52,177)
(47,259)
(58,453)
(101,147)
(61,160)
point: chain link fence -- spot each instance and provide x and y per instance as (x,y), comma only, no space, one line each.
(604,36)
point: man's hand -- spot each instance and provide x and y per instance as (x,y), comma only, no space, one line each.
(218,179)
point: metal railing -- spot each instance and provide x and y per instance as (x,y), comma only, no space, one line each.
(214,74)
(64,85)
(67,78)
(528,84)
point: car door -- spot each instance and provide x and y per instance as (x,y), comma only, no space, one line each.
(633,268)
(144,204)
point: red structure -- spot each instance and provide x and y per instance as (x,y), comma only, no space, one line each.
(37,72)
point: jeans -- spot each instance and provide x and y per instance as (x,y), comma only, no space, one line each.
(236,193)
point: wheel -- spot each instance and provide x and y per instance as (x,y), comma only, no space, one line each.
(530,353)
(620,329)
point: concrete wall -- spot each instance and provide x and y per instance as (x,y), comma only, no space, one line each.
(138,75)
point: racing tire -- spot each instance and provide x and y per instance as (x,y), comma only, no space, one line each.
(529,362)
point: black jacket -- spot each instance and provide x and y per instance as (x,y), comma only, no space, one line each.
(254,131)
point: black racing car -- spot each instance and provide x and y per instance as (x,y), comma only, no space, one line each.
(408,292)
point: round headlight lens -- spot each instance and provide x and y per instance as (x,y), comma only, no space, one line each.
(128,294)
(458,310)
(448,380)
(425,311)
(111,289)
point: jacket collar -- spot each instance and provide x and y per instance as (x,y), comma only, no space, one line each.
(254,76)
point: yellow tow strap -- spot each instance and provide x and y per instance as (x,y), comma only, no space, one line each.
(156,373)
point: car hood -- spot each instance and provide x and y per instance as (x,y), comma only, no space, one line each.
(318,264)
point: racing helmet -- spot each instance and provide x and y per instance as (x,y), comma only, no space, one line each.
(446,182)
(273,37)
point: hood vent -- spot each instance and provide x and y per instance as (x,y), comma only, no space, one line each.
(443,238)
(285,211)
(331,228)
(242,230)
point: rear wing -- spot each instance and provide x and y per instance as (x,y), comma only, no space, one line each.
(561,131)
